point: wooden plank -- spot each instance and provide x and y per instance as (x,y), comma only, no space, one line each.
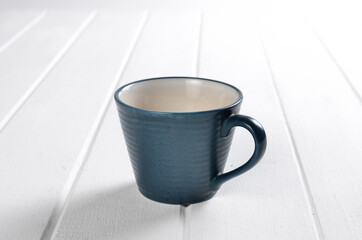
(325,119)
(268,202)
(106,202)
(28,61)
(40,145)
(14,24)
(342,39)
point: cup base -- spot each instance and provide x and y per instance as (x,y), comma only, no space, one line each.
(183,200)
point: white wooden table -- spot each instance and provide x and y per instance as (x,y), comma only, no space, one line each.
(64,167)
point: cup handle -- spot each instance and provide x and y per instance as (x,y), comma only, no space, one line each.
(258,133)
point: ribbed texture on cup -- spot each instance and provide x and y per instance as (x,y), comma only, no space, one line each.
(175,156)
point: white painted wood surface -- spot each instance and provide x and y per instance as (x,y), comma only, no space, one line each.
(34,169)
(65,171)
(325,119)
(23,68)
(15,24)
(342,40)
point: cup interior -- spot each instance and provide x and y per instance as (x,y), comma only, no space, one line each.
(179,95)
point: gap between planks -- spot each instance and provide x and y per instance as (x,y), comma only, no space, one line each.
(24,30)
(76,171)
(7,118)
(334,60)
(302,175)
(185,217)
(186,210)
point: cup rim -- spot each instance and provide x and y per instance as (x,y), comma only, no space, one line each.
(116,96)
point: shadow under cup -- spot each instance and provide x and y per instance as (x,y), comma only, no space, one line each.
(178,132)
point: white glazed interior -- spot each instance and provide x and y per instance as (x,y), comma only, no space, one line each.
(178,95)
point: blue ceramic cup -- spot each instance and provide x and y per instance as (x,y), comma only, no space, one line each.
(178,132)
